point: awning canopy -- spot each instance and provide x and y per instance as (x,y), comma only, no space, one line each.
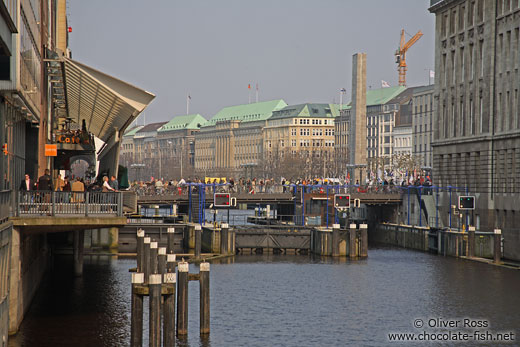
(107,104)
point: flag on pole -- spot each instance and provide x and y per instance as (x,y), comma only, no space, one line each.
(343,90)
(385,84)
(257,87)
(189,96)
(432,74)
(249,86)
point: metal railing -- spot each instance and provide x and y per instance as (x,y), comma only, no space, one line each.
(5,204)
(38,203)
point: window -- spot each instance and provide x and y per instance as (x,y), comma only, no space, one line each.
(461,18)
(293,132)
(471,12)
(481,111)
(462,120)
(462,63)
(481,57)
(293,143)
(471,118)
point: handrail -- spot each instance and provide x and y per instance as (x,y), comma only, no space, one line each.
(50,203)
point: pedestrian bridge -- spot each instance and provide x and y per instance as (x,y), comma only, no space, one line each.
(276,194)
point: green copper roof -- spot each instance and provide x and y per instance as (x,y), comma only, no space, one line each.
(190,121)
(308,111)
(132,131)
(248,112)
(383,95)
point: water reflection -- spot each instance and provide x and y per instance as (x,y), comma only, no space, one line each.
(289,300)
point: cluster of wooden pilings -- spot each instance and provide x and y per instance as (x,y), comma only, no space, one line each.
(156,278)
(337,242)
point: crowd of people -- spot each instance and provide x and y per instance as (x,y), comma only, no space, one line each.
(79,184)
(161,186)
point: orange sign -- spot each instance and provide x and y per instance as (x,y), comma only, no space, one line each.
(51,150)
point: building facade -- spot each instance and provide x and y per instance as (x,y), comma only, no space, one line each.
(382,108)
(299,142)
(147,153)
(128,151)
(232,140)
(477,122)
(176,144)
(422,124)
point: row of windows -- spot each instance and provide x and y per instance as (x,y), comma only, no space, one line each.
(307,121)
(462,17)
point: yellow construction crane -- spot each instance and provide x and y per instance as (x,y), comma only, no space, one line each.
(400,55)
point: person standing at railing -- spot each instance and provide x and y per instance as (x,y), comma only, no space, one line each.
(45,186)
(59,183)
(66,188)
(45,181)
(106,186)
(78,188)
(114,183)
(27,184)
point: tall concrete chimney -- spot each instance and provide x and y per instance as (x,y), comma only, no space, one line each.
(358,119)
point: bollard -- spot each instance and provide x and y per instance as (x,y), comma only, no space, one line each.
(204,298)
(139,250)
(155,310)
(154,262)
(335,240)
(170,244)
(198,240)
(136,328)
(146,258)
(497,254)
(182,299)
(161,260)
(352,241)
(224,235)
(169,311)
(471,241)
(363,252)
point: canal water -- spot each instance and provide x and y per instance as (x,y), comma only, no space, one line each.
(286,300)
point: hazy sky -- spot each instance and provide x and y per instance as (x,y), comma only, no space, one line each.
(296,50)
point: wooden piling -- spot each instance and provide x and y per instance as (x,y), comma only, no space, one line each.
(335,240)
(363,228)
(182,299)
(204,298)
(198,240)
(170,242)
(136,327)
(146,258)
(155,310)
(497,254)
(352,241)
(170,280)
(224,234)
(140,249)
(471,241)
(171,262)
(154,262)
(161,260)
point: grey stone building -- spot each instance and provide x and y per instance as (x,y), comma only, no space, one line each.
(477,124)
(422,125)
